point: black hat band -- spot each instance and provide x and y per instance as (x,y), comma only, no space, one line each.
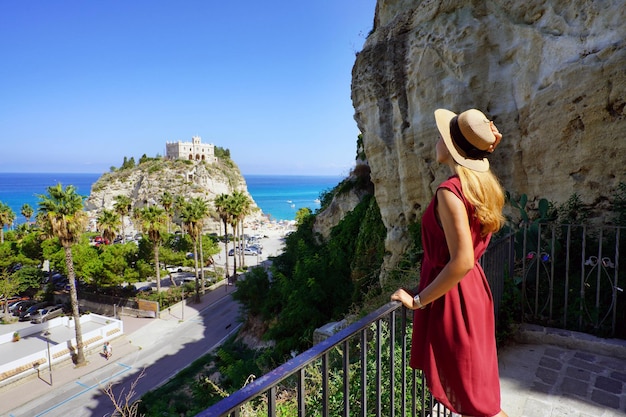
(457,137)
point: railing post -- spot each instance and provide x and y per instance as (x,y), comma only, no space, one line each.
(364,372)
(538,269)
(271,402)
(378,368)
(346,379)
(567,261)
(616,287)
(599,277)
(524,259)
(404,362)
(325,385)
(552,262)
(392,367)
(414,394)
(582,280)
(301,393)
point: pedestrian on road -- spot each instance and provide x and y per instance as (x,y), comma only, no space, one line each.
(107,350)
(453,338)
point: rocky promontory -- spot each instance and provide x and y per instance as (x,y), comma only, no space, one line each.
(146,183)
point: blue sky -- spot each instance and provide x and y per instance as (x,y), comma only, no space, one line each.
(85,83)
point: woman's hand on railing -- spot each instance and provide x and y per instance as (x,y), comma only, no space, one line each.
(405,297)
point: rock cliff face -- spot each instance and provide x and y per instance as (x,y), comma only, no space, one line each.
(358,186)
(146,183)
(552,75)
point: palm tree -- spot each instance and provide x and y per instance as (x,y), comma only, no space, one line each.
(193,215)
(62,216)
(231,207)
(27,211)
(108,223)
(202,211)
(7,217)
(221,207)
(122,206)
(167,201)
(240,209)
(21,231)
(153,220)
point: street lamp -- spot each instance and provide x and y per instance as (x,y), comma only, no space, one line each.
(47,334)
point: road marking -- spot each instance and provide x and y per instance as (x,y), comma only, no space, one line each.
(87,389)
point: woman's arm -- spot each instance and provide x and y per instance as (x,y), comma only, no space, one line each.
(453,217)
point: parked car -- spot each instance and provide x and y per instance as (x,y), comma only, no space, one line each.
(248,250)
(26,315)
(146,288)
(12,300)
(45,314)
(255,247)
(17,308)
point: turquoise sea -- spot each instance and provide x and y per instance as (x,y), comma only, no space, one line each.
(279,196)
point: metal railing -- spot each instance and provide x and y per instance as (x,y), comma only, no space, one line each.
(570,277)
(498,262)
(369,356)
(384,330)
(567,276)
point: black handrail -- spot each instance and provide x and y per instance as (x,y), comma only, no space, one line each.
(270,380)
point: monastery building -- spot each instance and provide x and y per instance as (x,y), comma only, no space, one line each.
(192,151)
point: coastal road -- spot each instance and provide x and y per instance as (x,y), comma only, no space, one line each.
(160,352)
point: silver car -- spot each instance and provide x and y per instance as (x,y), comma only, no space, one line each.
(46,314)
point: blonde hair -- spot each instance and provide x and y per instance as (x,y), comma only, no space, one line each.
(484,192)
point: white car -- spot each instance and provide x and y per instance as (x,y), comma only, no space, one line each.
(247,251)
(46,314)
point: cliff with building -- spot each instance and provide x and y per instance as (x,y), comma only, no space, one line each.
(188,170)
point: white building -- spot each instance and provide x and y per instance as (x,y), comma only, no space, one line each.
(192,151)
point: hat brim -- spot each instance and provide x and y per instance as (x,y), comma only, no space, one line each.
(443,118)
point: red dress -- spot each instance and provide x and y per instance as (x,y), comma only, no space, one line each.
(454,337)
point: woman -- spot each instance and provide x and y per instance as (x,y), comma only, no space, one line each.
(107,350)
(454,328)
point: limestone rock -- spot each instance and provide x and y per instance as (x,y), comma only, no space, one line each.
(550,74)
(350,193)
(146,183)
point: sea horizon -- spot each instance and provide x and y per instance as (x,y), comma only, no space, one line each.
(278,196)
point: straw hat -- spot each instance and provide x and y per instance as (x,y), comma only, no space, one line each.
(468,137)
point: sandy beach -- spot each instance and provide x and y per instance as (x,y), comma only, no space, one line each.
(271,235)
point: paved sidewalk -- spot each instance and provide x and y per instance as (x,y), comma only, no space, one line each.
(138,333)
(556,373)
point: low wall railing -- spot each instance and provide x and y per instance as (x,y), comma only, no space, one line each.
(52,352)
